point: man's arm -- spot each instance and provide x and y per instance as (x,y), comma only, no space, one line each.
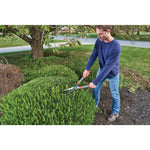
(92,57)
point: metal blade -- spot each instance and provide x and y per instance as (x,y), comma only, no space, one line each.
(71,90)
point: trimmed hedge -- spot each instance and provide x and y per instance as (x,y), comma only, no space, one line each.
(79,65)
(47,71)
(26,62)
(43,102)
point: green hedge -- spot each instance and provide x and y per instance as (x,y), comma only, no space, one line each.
(47,71)
(79,65)
(43,102)
(26,62)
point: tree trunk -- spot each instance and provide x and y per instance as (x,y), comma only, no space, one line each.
(37,42)
(138,32)
(37,49)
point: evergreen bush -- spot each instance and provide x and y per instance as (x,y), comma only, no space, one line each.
(79,65)
(43,102)
(35,64)
(47,71)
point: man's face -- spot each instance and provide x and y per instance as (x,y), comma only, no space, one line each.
(102,35)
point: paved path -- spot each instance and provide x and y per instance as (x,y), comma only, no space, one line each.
(142,44)
(22,48)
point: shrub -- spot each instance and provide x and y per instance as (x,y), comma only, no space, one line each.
(35,64)
(47,71)
(43,102)
(58,54)
(79,65)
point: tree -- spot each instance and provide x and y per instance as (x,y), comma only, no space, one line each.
(32,34)
(35,35)
(131,31)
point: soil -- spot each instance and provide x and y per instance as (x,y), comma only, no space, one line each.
(134,108)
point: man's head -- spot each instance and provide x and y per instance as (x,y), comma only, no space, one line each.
(103,31)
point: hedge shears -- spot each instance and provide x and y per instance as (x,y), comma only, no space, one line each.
(77,85)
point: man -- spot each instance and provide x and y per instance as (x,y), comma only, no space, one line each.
(108,50)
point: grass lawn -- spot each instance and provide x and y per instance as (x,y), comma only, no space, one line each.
(136,59)
(12,42)
(16,41)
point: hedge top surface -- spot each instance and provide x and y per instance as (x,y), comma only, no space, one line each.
(43,101)
(57,70)
(48,71)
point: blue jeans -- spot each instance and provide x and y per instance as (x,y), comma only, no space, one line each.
(114,87)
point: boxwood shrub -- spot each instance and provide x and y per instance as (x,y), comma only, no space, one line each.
(47,71)
(43,102)
(79,65)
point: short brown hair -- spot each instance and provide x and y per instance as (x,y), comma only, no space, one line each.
(104,27)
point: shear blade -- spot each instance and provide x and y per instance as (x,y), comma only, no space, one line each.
(68,89)
(72,90)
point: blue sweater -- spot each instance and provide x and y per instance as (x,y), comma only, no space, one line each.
(108,55)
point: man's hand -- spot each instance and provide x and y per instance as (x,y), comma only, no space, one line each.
(85,73)
(91,85)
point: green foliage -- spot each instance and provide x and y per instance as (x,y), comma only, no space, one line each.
(49,52)
(34,64)
(43,102)
(79,65)
(47,71)
(72,42)
(27,58)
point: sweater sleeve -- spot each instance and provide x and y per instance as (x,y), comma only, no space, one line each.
(92,57)
(112,59)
